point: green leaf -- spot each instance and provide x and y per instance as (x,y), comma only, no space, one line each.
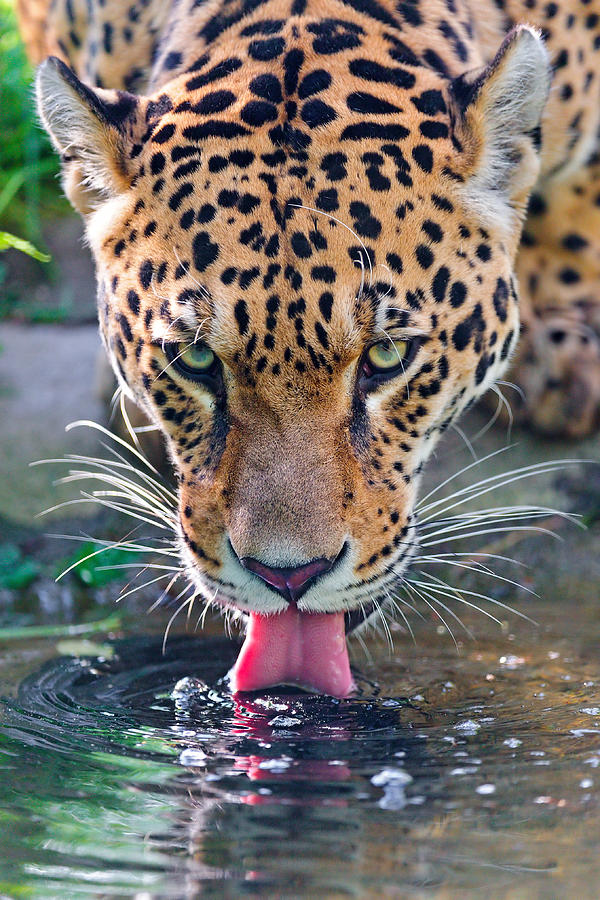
(8,240)
(16,571)
(95,565)
(9,556)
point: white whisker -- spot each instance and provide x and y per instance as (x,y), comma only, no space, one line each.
(465,439)
(493,482)
(393,602)
(175,614)
(411,585)
(140,587)
(347,227)
(478,595)
(480,570)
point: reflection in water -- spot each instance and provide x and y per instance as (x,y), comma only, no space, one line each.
(143,776)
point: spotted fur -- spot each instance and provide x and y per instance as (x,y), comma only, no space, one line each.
(291,181)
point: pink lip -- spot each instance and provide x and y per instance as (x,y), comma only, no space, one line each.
(291,583)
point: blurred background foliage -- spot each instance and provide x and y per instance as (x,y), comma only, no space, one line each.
(28,165)
(30,189)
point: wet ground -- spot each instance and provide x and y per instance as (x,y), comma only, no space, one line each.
(465,765)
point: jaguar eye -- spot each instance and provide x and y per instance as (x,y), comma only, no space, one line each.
(387,355)
(193,359)
(385,360)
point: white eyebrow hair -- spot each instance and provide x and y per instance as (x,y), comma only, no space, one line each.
(409,329)
(168,333)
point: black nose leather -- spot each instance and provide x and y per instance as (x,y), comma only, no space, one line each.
(291,583)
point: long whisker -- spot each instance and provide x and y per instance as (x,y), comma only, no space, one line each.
(471,555)
(163,594)
(477,594)
(393,600)
(503,516)
(480,570)
(127,488)
(88,423)
(435,611)
(386,629)
(421,505)
(465,439)
(423,591)
(530,529)
(127,421)
(140,587)
(125,544)
(117,467)
(485,485)
(502,404)
(174,616)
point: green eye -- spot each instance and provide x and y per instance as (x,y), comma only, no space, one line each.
(387,355)
(194,360)
(198,357)
(385,360)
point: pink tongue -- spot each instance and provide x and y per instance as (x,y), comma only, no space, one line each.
(292,647)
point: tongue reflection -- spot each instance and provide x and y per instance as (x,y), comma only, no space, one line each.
(304,649)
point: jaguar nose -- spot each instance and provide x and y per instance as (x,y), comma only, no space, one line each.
(291,583)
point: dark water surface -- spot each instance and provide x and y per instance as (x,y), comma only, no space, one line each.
(141,776)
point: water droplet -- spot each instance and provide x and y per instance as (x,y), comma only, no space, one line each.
(275,765)
(284,722)
(393,782)
(486,789)
(511,661)
(467,726)
(192,757)
(391,776)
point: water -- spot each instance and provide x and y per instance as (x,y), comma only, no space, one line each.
(141,776)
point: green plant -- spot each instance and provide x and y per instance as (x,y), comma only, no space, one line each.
(16,571)
(9,301)
(96,565)
(33,632)
(8,240)
(28,166)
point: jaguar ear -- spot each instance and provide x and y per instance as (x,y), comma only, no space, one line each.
(92,131)
(500,111)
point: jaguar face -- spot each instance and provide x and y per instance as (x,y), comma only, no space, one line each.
(302,310)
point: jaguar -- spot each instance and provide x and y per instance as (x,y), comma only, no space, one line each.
(319,229)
